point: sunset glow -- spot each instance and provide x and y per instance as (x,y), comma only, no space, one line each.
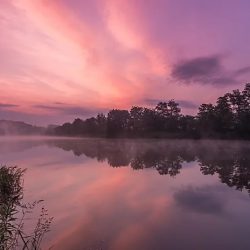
(62,59)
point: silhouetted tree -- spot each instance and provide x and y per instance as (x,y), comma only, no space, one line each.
(188,126)
(101,124)
(137,120)
(224,115)
(240,102)
(117,122)
(168,114)
(206,118)
(228,118)
(77,126)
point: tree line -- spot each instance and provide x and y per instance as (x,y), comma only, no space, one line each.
(228,118)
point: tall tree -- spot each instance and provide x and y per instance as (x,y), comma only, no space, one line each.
(101,120)
(168,109)
(117,122)
(168,114)
(137,120)
(224,115)
(206,118)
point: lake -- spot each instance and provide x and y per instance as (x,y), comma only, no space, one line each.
(137,194)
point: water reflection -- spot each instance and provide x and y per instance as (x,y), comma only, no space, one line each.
(231,161)
(156,195)
(200,200)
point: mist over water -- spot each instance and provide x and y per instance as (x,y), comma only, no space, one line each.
(137,194)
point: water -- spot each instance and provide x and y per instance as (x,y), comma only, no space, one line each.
(137,194)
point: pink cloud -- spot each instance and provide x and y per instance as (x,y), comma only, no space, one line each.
(113,56)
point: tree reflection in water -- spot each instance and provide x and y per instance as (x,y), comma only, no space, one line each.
(229,160)
(13,213)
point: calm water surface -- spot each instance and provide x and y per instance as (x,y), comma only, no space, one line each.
(138,194)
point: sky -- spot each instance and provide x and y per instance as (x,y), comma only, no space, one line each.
(62,59)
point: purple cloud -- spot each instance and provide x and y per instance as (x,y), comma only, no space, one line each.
(206,70)
(8,105)
(197,68)
(71,110)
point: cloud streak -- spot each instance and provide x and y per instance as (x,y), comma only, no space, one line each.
(114,53)
(71,110)
(7,105)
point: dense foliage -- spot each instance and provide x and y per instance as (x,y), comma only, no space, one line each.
(228,118)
